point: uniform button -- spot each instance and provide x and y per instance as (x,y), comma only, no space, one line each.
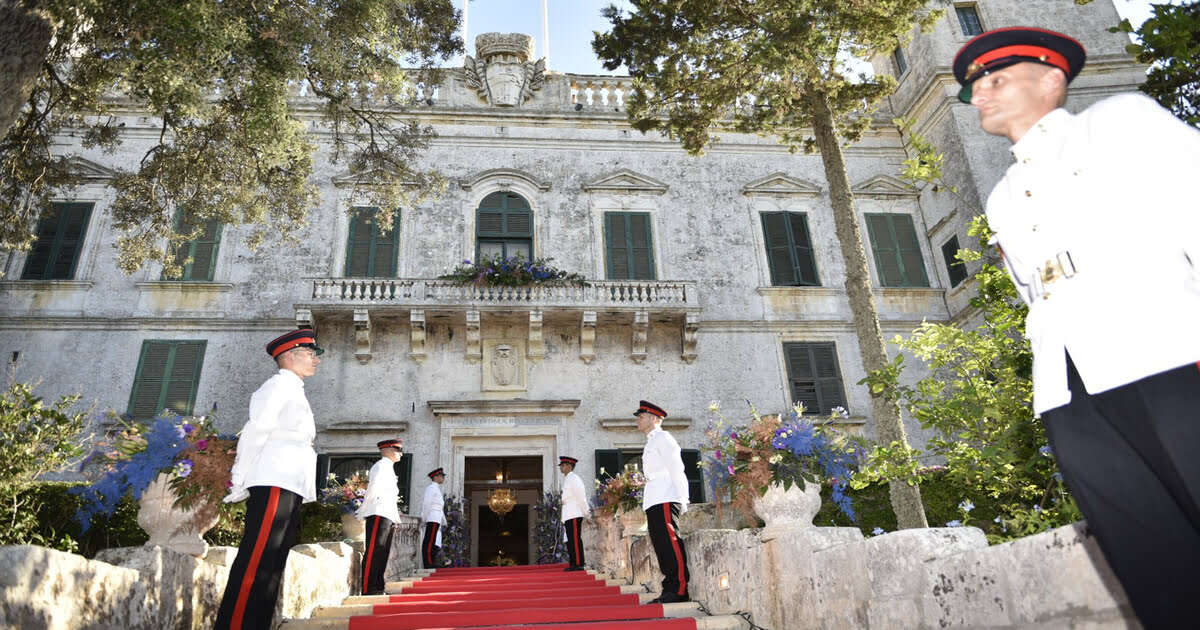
(1028,193)
(1034,228)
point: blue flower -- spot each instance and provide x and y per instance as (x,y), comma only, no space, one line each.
(1046,451)
(184,468)
(1037,508)
(878,530)
(1057,477)
(966,505)
(954,523)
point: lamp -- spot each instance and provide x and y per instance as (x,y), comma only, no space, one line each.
(502,501)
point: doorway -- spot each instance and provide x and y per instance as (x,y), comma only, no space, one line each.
(502,539)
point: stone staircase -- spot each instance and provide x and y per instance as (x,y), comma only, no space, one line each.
(369,611)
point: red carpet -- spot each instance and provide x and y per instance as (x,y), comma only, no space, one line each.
(515,598)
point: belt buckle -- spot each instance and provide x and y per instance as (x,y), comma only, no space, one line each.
(1061,266)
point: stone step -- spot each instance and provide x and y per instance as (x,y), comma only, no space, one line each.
(681,609)
(716,622)
(356,600)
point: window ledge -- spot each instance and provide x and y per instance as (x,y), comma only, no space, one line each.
(386,426)
(42,285)
(619,424)
(799,289)
(909,290)
(183,286)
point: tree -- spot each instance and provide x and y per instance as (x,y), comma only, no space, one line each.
(220,79)
(1170,43)
(775,67)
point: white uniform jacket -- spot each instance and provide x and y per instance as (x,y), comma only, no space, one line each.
(433,505)
(275,446)
(383,492)
(574,497)
(662,465)
(1108,202)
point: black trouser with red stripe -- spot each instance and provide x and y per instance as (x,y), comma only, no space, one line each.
(574,542)
(272,527)
(378,546)
(1131,457)
(668,547)
(429,551)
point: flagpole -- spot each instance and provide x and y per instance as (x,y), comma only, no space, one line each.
(466,42)
(545,35)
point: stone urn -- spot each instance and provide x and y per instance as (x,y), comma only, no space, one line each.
(633,522)
(352,528)
(787,510)
(168,526)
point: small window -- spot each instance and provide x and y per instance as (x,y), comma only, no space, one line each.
(627,244)
(897,254)
(370,253)
(901,63)
(611,462)
(956,269)
(344,465)
(814,377)
(198,257)
(167,377)
(968,20)
(504,227)
(789,249)
(60,232)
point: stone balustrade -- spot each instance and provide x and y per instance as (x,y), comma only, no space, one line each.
(599,92)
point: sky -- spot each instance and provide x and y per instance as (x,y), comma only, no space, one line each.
(572,22)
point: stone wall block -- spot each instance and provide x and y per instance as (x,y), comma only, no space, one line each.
(733,553)
(315,577)
(52,590)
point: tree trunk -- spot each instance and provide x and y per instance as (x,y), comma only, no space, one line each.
(906,499)
(25,34)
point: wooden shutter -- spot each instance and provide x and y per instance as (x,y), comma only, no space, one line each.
(148,381)
(828,377)
(384,248)
(628,246)
(802,376)
(955,268)
(802,252)
(608,461)
(358,243)
(202,251)
(814,375)
(883,245)
(403,469)
(322,471)
(897,252)
(168,376)
(616,239)
(911,265)
(779,255)
(641,254)
(695,476)
(59,242)
(504,218)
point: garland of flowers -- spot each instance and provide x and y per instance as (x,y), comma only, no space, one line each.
(621,493)
(456,539)
(515,271)
(547,529)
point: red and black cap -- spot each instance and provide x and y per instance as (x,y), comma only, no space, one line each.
(645,406)
(435,472)
(563,459)
(302,338)
(393,443)
(1004,47)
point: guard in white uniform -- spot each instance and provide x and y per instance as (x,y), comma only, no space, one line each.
(574,509)
(275,467)
(433,513)
(1099,224)
(664,498)
(381,514)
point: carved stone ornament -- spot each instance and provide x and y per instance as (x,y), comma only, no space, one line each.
(503,75)
(503,365)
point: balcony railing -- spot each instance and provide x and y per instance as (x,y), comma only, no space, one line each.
(434,294)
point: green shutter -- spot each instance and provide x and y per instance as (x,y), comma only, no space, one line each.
(695,476)
(897,252)
(198,257)
(56,251)
(816,381)
(911,264)
(640,246)
(789,249)
(168,376)
(805,265)
(955,268)
(616,239)
(829,378)
(628,246)
(608,461)
(504,219)
(403,470)
(322,471)
(369,252)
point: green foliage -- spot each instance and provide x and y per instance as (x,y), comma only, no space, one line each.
(318,523)
(54,525)
(220,80)
(35,438)
(1169,41)
(925,165)
(977,399)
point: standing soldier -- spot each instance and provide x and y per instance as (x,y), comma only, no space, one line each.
(274,467)
(1100,229)
(433,513)
(574,508)
(379,510)
(664,498)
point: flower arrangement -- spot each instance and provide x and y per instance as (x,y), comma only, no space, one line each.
(456,536)
(620,493)
(747,459)
(346,495)
(189,449)
(512,272)
(547,529)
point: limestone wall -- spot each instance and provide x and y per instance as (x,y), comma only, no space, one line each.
(831,577)
(148,588)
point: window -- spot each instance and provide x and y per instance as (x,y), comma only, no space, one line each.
(814,377)
(627,245)
(954,267)
(167,377)
(789,249)
(55,253)
(615,461)
(345,465)
(901,64)
(968,20)
(369,252)
(897,254)
(198,257)
(504,226)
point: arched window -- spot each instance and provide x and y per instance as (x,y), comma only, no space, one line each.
(504,226)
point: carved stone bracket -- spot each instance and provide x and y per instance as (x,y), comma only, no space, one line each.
(536,349)
(641,328)
(474,351)
(691,324)
(304,318)
(416,322)
(587,337)
(362,335)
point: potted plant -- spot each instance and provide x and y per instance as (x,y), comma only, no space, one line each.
(176,467)
(514,271)
(620,496)
(773,466)
(347,496)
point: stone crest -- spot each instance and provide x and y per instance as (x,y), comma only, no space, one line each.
(503,365)
(503,75)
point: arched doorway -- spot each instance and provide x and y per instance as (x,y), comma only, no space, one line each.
(507,538)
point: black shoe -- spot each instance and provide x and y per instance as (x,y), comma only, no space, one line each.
(670,598)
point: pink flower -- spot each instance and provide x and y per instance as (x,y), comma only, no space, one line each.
(228,484)
(201,444)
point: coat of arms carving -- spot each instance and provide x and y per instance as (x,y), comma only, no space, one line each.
(503,75)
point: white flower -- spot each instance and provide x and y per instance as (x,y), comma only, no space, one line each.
(840,411)
(714,405)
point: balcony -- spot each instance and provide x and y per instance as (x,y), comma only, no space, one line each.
(632,301)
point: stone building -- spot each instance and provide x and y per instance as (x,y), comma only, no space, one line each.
(711,278)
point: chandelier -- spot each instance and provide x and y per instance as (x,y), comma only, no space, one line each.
(502,500)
